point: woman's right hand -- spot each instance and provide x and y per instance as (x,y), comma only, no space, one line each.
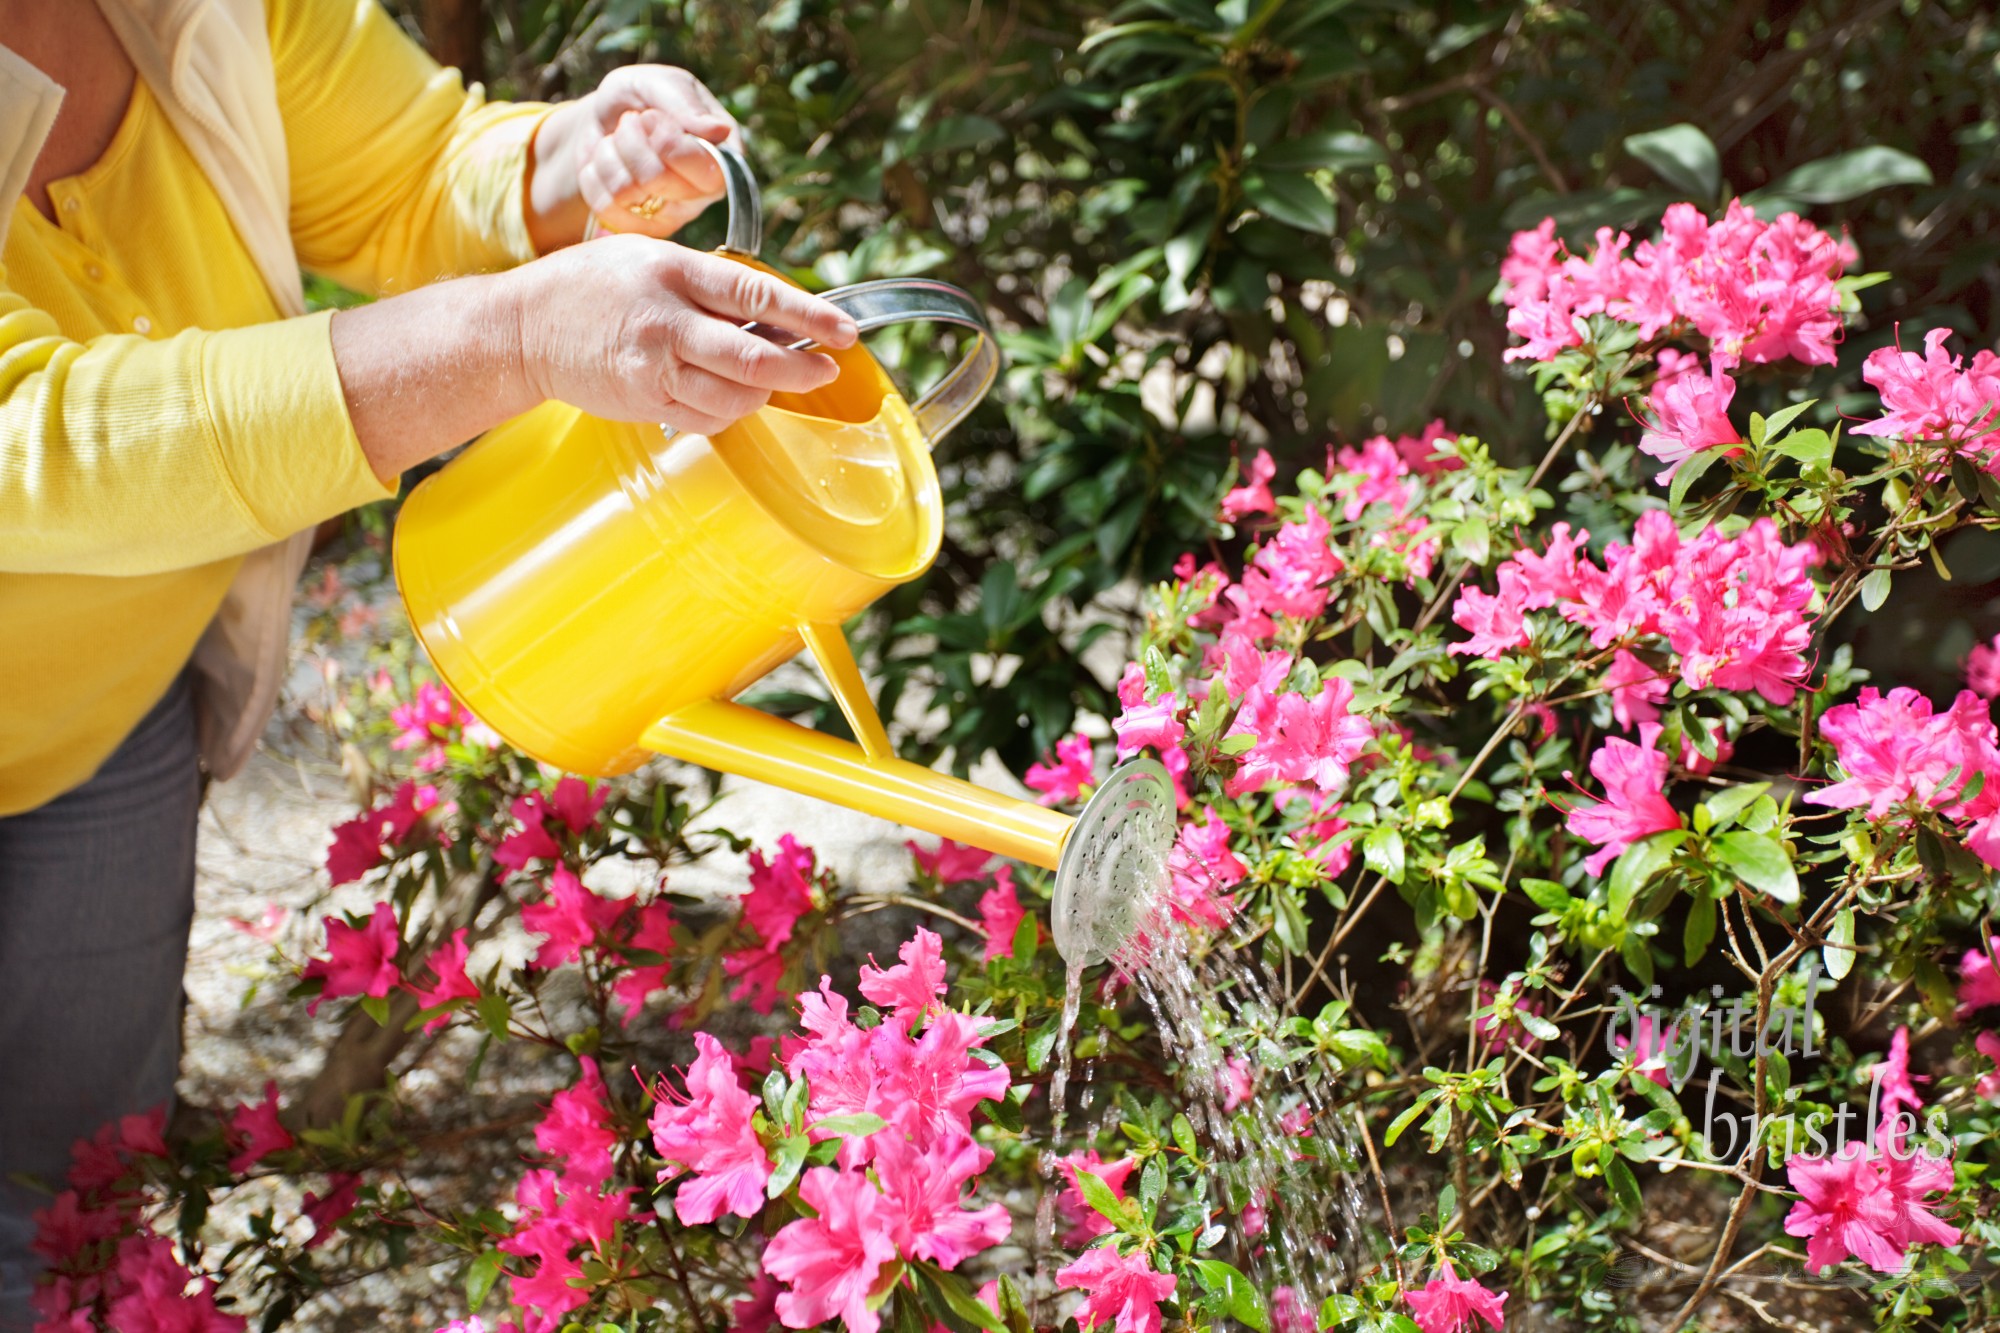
(635,329)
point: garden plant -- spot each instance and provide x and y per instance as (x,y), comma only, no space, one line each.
(1581,920)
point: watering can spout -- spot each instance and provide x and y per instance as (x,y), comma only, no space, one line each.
(731,738)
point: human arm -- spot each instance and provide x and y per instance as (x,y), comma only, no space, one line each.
(122,455)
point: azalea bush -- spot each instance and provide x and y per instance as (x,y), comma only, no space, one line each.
(1564,928)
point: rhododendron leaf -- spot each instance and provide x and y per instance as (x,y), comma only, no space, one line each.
(950,1298)
(1183,1131)
(1965,478)
(1241,743)
(1638,864)
(1875,589)
(1760,862)
(1027,935)
(1119,1212)
(861,1123)
(495,1013)
(1382,849)
(1690,472)
(1039,1045)
(480,1276)
(786,1163)
(1239,1297)
(1295,200)
(1339,149)
(1780,419)
(1726,805)
(1838,951)
(1844,176)
(1684,157)
(1700,930)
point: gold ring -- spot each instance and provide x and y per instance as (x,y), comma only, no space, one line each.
(647,207)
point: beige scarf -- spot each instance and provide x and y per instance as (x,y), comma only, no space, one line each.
(208,62)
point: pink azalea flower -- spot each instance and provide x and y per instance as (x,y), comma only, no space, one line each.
(1533,257)
(759,974)
(1933,396)
(361,843)
(1086,1223)
(576,1133)
(153,1293)
(1449,1303)
(268,923)
(1064,780)
(829,1262)
(1238,1079)
(1895,749)
(652,931)
(1648,1047)
(326,1213)
(1688,414)
(923,1199)
(1898,1091)
(1496,1032)
(576,804)
(1495,620)
(255,1132)
(1000,915)
(1305,740)
(427,724)
(530,842)
(571,918)
(951,863)
(1200,871)
(780,891)
(1988,1045)
(478,1325)
(1637,690)
(1254,495)
(757,1311)
(361,960)
(708,1132)
(1982,669)
(1978,983)
(1122,1290)
(913,987)
(1297,563)
(1290,1312)
(1634,804)
(1845,1209)
(447,965)
(1151,724)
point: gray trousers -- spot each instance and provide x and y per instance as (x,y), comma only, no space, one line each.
(96,896)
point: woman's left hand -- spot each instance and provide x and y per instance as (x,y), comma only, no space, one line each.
(626,154)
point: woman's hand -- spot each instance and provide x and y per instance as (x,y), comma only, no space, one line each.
(635,329)
(626,153)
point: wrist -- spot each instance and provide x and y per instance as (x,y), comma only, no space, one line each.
(554,207)
(517,367)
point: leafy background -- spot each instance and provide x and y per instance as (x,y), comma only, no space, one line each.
(1276,223)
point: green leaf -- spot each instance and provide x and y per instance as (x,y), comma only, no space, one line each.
(1784,417)
(860,1124)
(1838,951)
(1100,1197)
(1040,1042)
(1637,864)
(1407,1118)
(1296,201)
(1844,176)
(1184,1137)
(1240,1298)
(496,1014)
(1340,150)
(1875,589)
(1813,448)
(964,1311)
(1472,540)
(1382,849)
(1760,862)
(1684,157)
(1624,1187)
(480,1275)
(1726,805)
(1547,894)
(377,1008)
(1700,931)
(1690,472)
(785,1166)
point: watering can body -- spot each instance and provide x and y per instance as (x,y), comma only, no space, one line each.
(599,592)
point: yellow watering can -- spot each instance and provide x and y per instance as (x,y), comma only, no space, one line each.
(598,592)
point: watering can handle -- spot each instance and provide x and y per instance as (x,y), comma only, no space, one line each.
(887,301)
(745,202)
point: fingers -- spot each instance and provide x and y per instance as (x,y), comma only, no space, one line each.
(741,293)
(722,349)
(708,394)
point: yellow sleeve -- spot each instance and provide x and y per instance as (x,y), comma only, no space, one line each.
(400,176)
(123,455)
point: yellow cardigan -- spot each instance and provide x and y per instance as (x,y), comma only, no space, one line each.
(158,420)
